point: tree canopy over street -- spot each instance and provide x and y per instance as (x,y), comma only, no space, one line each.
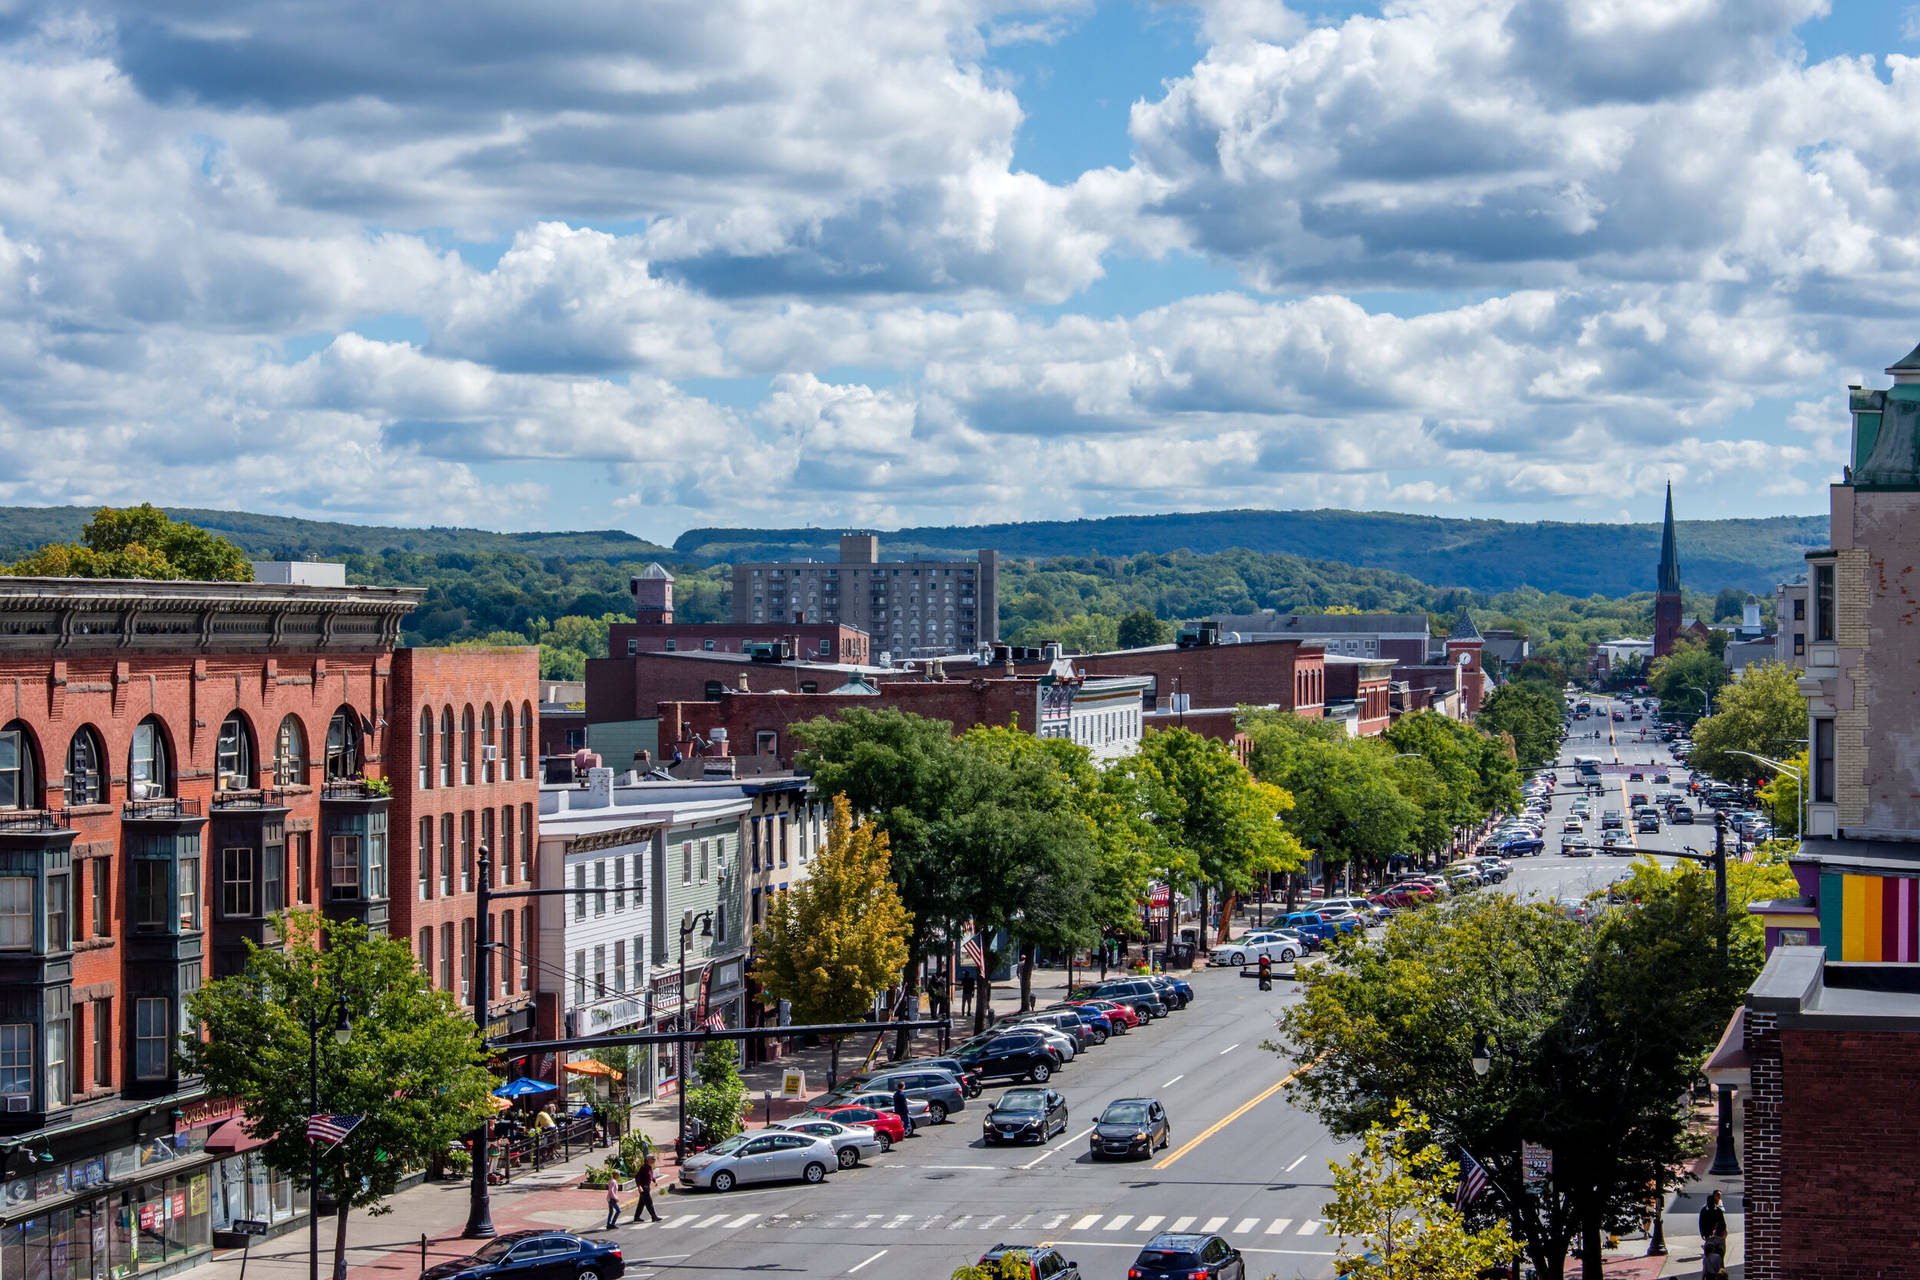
(1760,713)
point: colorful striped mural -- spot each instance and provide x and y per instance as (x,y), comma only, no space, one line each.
(1870,917)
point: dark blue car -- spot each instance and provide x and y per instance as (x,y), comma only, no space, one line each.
(1520,845)
(535,1255)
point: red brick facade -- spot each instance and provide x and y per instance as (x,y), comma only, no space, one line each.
(633,688)
(1285,673)
(465,763)
(748,716)
(823,642)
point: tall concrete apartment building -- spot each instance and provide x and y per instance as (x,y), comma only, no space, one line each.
(908,607)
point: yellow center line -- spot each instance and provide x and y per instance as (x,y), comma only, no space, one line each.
(1167,1161)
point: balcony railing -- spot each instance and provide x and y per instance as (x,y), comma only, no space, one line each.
(251,798)
(30,820)
(356,789)
(159,807)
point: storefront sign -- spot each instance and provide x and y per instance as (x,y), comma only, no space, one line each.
(248,1227)
(512,1023)
(793,1083)
(1537,1161)
(1161,896)
(205,1111)
(610,1014)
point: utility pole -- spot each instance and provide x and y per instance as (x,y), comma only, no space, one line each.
(1726,1161)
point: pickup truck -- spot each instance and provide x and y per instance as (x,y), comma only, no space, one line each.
(1315,926)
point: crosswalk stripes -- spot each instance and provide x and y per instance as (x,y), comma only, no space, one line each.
(741,1221)
(1120,1223)
(1148,1224)
(1246,1225)
(1086,1222)
(1213,1225)
(680,1221)
(1053,1223)
(1180,1224)
(1308,1227)
(1278,1227)
(1040,1222)
(714,1221)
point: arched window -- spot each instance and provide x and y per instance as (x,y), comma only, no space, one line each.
(506,743)
(233,755)
(446,747)
(488,748)
(19,781)
(466,747)
(526,740)
(343,744)
(149,762)
(86,778)
(425,750)
(290,754)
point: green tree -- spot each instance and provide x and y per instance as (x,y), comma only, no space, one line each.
(1346,805)
(1532,713)
(1781,796)
(1687,679)
(139,542)
(839,937)
(1140,629)
(1761,712)
(413,1066)
(1393,1200)
(719,1102)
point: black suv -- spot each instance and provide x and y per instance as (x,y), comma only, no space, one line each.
(1136,993)
(1188,1257)
(1012,1055)
(1043,1263)
(940,1090)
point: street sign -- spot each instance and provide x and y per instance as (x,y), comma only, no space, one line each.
(793,1083)
(1538,1163)
(249,1227)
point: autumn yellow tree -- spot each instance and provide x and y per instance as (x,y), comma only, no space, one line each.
(839,937)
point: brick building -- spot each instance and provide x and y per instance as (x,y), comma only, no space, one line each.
(909,608)
(655,630)
(178,760)
(1360,692)
(1403,637)
(1831,1028)
(1284,673)
(466,777)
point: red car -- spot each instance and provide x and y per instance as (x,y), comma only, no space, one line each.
(1118,1014)
(1403,896)
(887,1125)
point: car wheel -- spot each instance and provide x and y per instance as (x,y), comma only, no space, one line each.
(588,1274)
(937,1112)
(1239,957)
(1166,1136)
(849,1157)
(723,1181)
(1098,1036)
(816,1172)
(1040,1073)
(886,1143)
(1288,956)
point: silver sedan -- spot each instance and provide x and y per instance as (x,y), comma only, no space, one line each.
(852,1143)
(769,1155)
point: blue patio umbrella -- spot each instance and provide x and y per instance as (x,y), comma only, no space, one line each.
(521,1087)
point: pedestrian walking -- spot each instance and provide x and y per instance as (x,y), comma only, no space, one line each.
(1713,1218)
(613,1201)
(966,992)
(900,1107)
(644,1180)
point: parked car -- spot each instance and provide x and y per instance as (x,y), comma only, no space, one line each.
(918,1108)
(1043,1262)
(1142,997)
(940,1090)
(535,1255)
(1403,897)
(1368,910)
(1249,949)
(1130,1127)
(760,1156)
(1175,990)
(1188,1257)
(1024,1115)
(851,1143)
(886,1126)
(1064,1048)
(1020,1054)
(1098,1026)
(1068,1024)
(949,1065)
(1123,1016)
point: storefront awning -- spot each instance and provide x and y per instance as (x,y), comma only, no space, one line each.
(233,1137)
(1729,1063)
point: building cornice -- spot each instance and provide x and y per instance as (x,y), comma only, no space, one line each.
(90,615)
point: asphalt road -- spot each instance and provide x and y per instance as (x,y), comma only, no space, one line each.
(1241,1162)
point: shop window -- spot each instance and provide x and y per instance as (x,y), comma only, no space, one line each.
(290,754)
(233,755)
(86,781)
(150,1043)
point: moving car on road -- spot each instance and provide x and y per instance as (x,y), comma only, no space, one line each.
(1043,1262)
(535,1255)
(1188,1257)
(1024,1115)
(1130,1127)
(1249,949)
(763,1156)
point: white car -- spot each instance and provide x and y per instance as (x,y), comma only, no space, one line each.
(852,1143)
(1249,949)
(763,1156)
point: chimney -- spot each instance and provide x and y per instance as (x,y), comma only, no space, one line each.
(717,738)
(599,790)
(743,683)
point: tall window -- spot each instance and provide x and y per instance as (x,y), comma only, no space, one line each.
(16,913)
(599,972)
(466,959)
(600,882)
(425,748)
(446,957)
(233,755)
(57,1078)
(619,884)
(1823,602)
(508,961)
(17,786)
(580,977)
(509,851)
(506,743)
(619,966)
(423,859)
(343,744)
(639,878)
(466,851)
(526,842)
(446,854)
(290,753)
(86,782)
(343,862)
(152,895)
(1823,760)
(59,919)
(103,1043)
(102,897)
(302,842)
(189,890)
(16,1058)
(580,883)
(446,746)
(273,873)
(486,833)
(377,855)
(488,748)
(150,1038)
(526,740)
(526,948)
(423,952)
(466,746)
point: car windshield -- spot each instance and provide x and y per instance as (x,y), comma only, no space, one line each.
(495,1248)
(728,1146)
(1124,1113)
(1021,1100)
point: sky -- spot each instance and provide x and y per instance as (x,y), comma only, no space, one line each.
(879,263)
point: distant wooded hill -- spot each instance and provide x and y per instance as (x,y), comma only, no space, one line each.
(1480,555)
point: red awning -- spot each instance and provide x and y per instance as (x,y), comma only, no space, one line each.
(232,1137)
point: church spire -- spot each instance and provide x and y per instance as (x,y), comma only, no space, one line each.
(1669,554)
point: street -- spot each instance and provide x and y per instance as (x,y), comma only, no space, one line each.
(1242,1162)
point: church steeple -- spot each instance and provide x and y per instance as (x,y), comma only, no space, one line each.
(1669,554)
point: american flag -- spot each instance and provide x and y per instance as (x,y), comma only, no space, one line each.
(1473,1181)
(972,953)
(715,1022)
(332,1129)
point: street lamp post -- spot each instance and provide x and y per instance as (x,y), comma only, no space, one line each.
(705,920)
(342,1031)
(1799,781)
(1726,1160)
